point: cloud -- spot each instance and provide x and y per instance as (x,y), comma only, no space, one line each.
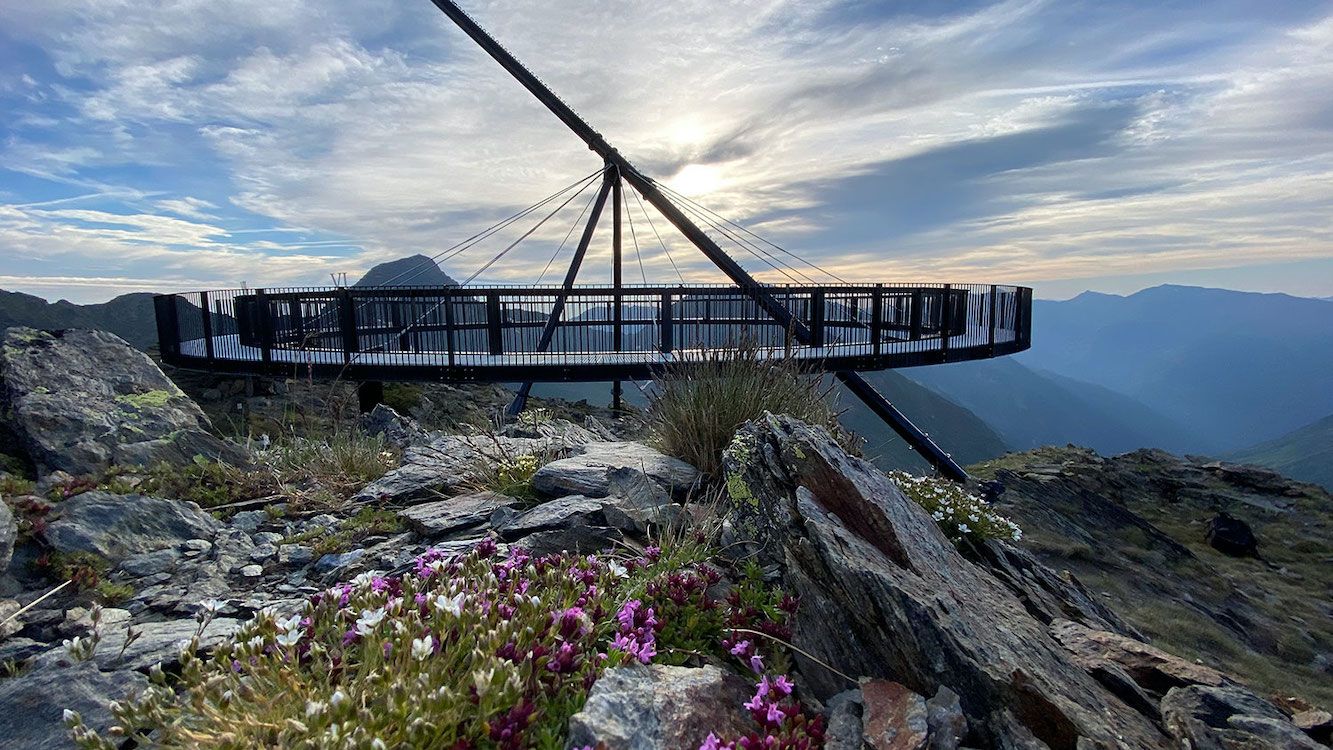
(1022,140)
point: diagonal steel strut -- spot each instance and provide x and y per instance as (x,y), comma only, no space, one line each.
(858,385)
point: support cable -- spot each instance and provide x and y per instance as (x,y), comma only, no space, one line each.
(574,226)
(755,235)
(528,233)
(487,232)
(768,257)
(722,230)
(629,218)
(653,226)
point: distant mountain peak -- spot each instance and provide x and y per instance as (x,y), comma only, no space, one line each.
(414,270)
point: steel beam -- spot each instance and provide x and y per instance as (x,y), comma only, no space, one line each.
(648,189)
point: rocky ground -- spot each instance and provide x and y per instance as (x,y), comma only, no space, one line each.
(902,640)
(1231,565)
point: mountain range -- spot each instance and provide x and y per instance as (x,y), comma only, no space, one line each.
(1185,369)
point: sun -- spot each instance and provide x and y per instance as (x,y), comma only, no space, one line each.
(697,179)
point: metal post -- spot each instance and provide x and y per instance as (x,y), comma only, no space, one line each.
(208,325)
(617,313)
(817,318)
(347,324)
(877,319)
(265,320)
(168,326)
(915,314)
(449,324)
(992,320)
(493,331)
(666,340)
(946,322)
(369,395)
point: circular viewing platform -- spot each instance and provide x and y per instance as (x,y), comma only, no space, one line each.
(585,333)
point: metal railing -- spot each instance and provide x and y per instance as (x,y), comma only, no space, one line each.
(504,334)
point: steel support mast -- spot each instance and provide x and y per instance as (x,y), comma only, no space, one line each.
(913,435)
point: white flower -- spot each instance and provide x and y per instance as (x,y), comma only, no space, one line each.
(289,638)
(314,708)
(363,580)
(617,570)
(256,643)
(291,623)
(369,619)
(71,717)
(378,744)
(422,648)
(338,698)
(452,605)
(963,528)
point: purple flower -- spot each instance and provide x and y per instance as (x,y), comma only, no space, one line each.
(741,648)
(757,664)
(783,685)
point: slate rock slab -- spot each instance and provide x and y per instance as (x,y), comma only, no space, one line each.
(885,594)
(117,526)
(32,705)
(158,642)
(437,469)
(1201,717)
(658,707)
(456,514)
(81,401)
(586,472)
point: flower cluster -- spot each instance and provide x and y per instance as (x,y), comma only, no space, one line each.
(636,637)
(783,724)
(482,649)
(960,514)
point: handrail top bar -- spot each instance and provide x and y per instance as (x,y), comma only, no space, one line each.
(596,289)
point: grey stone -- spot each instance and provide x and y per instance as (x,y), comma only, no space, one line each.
(79,621)
(586,472)
(295,554)
(1203,717)
(437,469)
(8,626)
(456,514)
(82,401)
(843,731)
(117,526)
(20,649)
(267,537)
(158,642)
(334,563)
(575,510)
(8,535)
(893,716)
(150,563)
(263,552)
(660,708)
(321,521)
(32,705)
(635,503)
(249,521)
(398,430)
(947,722)
(578,539)
(251,571)
(196,546)
(884,593)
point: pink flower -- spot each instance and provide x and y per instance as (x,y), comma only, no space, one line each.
(757,664)
(783,685)
(741,648)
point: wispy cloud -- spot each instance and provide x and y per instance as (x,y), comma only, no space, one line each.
(1018,140)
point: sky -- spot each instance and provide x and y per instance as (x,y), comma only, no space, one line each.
(1111,146)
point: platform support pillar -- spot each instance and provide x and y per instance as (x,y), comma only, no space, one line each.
(369,395)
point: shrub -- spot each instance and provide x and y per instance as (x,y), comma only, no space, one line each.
(84,569)
(341,465)
(204,481)
(698,404)
(508,472)
(459,652)
(403,398)
(960,514)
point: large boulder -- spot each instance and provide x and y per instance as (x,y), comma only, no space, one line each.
(118,526)
(660,708)
(885,594)
(586,472)
(32,704)
(1151,668)
(457,514)
(1231,536)
(81,401)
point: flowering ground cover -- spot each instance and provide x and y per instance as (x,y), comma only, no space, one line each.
(481,650)
(959,514)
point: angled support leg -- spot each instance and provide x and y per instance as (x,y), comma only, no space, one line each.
(558,309)
(920,441)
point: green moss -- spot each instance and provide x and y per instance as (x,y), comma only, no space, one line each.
(154,399)
(350,532)
(113,593)
(740,492)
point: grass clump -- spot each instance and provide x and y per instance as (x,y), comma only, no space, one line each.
(698,404)
(349,532)
(959,514)
(340,465)
(469,651)
(509,472)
